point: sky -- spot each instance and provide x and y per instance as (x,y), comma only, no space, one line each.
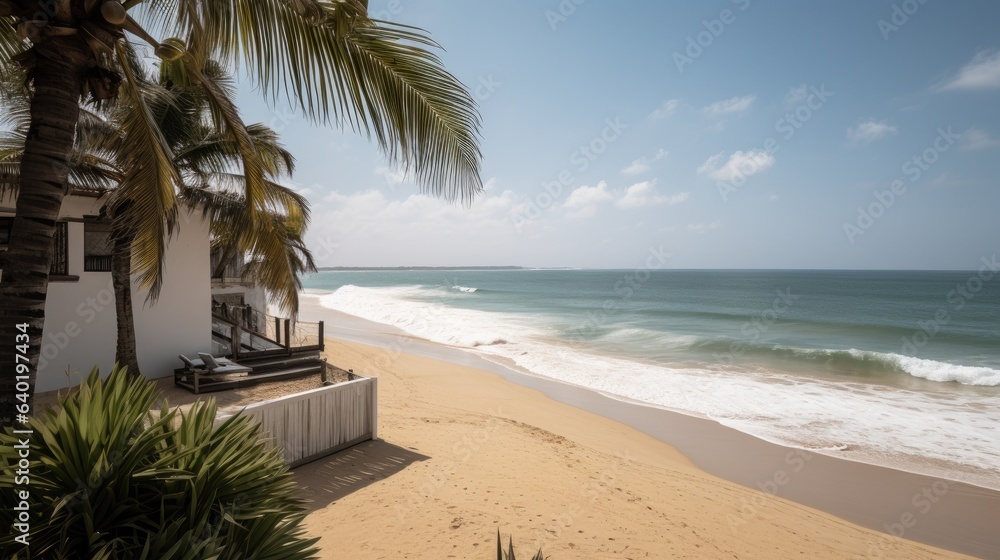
(727,133)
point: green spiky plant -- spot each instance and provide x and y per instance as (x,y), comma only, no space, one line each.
(509,555)
(112,478)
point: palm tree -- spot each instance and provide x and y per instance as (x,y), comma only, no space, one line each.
(327,57)
(206,160)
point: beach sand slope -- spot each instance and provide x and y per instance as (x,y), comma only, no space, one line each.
(462,453)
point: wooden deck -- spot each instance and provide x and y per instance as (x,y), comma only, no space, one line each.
(265,369)
(272,359)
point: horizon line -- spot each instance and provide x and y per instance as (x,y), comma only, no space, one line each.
(581,268)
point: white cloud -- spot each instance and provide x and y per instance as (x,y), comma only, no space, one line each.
(702,228)
(585,196)
(583,202)
(391,176)
(982,72)
(734,105)
(298,189)
(665,110)
(490,183)
(796,95)
(739,165)
(868,131)
(645,194)
(711,164)
(641,165)
(638,166)
(367,228)
(975,139)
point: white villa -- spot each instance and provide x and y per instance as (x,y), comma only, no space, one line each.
(80,321)
(195,312)
(191,316)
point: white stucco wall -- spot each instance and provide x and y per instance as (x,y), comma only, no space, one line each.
(80,316)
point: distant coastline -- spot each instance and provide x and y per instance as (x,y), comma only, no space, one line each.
(361,268)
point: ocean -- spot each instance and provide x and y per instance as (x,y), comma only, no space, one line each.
(895,368)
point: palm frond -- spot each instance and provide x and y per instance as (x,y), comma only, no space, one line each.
(185,122)
(11,144)
(92,173)
(227,121)
(149,184)
(424,110)
(91,165)
(10,43)
(278,162)
(342,67)
(16,116)
(10,177)
(215,153)
(96,133)
(14,98)
(232,186)
(273,242)
(282,281)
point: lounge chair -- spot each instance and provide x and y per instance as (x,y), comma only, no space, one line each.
(198,364)
(215,367)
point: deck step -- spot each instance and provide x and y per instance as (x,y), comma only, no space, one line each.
(208,384)
(266,362)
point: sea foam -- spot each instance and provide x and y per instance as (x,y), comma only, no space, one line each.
(953,435)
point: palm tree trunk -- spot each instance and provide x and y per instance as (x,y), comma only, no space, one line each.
(55,108)
(121,277)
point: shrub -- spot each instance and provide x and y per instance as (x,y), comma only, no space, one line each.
(112,478)
(509,555)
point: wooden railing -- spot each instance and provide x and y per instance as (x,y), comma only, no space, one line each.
(272,335)
(316,423)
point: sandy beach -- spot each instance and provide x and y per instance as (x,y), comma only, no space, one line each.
(463,452)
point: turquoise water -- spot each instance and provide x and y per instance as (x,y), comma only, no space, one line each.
(895,368)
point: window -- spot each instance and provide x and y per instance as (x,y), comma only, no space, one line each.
(5,225)
(60,252)
(97,247)
(60,245)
